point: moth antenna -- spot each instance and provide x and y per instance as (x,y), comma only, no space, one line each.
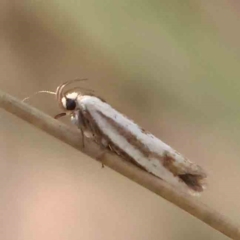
(78,88)
(43,91)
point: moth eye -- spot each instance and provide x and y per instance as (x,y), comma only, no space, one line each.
(70,104)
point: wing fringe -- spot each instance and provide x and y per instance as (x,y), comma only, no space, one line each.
(194,182)
(189,173)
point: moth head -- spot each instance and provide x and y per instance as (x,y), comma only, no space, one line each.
(66,98)
(69,102)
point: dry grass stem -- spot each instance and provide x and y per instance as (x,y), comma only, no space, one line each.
(74,139)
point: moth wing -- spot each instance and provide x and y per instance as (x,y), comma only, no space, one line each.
(142,147)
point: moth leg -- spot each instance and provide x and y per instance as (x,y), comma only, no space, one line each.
(113,149)
(104,149)
(83,137)
(100,157)
(78,119)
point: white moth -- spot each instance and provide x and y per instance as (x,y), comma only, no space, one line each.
(111,129)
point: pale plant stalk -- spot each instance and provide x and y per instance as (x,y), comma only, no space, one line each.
(73,138)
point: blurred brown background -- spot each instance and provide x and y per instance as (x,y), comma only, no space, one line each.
(172,66)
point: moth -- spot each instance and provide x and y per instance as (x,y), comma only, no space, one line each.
(108,127)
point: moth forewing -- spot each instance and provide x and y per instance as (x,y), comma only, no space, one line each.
(104,124)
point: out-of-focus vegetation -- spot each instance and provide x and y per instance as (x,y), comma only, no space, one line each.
(183,52)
